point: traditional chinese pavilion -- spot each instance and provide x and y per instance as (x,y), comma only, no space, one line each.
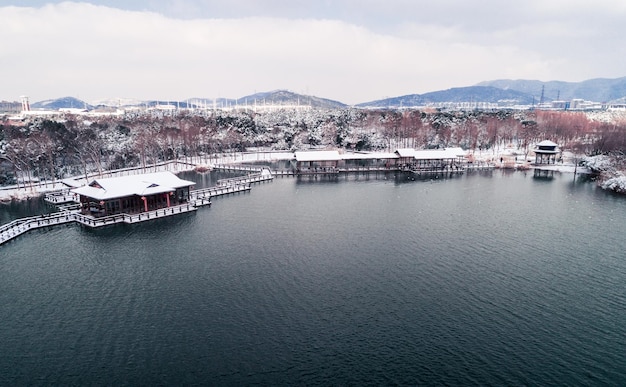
(545,152)
(133,193)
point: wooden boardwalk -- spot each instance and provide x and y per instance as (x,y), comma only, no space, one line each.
(69,207)
(208,193)
(21,226)
(233,185)
(60,197)
(239,168)
(480,166)
(364,170)
(340,170)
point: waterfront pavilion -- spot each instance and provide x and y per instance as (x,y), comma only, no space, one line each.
(545,152)
(430,159)
(405,157)
(133,193)
(317,161)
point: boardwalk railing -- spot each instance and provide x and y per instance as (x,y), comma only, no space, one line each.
(248,179)
(239,167)
(66,202)
(60,197)
(20,226)
(479,165)
(208,193)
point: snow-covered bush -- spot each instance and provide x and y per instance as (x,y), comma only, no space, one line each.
(600,163)
(617,184)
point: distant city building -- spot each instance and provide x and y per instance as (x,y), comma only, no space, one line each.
(560,105)
(616,106)
(10,107)
(167,107)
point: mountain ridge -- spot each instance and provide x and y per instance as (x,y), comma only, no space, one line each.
(596,89)
(506,91)
(485,94)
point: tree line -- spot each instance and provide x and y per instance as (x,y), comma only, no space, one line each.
(46,149)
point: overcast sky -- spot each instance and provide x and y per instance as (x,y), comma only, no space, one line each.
(347,50)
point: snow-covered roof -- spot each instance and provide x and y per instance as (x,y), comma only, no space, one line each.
(318,156)
(547,143)
(405,152)
(434,154)
(437,154)
(369,156)
(71,182)
(431,154)
(144,184)
(458,151)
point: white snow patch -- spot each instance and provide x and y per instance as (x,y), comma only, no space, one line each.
(617,184)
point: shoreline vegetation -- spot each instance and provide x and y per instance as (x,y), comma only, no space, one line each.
(33,189)
(38,153)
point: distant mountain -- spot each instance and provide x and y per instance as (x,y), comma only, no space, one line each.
(276,97)
(457,94)
(598,90)
(61,103)
(285,97)
(504,91)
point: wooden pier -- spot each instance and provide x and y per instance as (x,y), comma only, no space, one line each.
(366,170)
(60,197)
(208,193)
(69,208)
(20,226)
(479,166)
(248,179)
(233,185)
(239,168)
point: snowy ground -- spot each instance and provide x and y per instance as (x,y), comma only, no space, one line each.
(511,158)
(22,193)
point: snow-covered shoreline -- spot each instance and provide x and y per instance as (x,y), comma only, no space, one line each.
(506,159)
(31,190)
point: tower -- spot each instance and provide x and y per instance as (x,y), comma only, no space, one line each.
(25,104)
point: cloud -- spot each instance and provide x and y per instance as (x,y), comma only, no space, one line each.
(94,51)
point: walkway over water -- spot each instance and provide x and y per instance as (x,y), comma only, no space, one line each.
(436,166)
(70,208)
(21,226)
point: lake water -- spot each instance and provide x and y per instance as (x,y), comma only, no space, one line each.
(480,279)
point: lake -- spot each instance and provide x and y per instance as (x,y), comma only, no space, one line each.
(493,278)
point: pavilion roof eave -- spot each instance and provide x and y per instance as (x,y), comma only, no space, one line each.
(99,194)
(546,151)
(317,156)
(126,186)
(547,143)
(369,156)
